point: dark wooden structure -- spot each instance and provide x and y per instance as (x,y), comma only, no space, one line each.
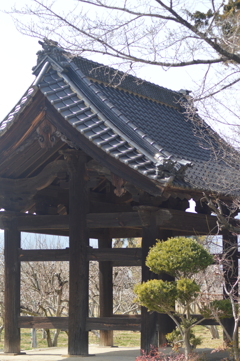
(91,153)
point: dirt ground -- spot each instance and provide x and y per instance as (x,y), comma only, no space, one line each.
(96,353)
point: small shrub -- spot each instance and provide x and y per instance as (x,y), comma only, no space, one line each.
(175,339)
(223,308)
(156,355)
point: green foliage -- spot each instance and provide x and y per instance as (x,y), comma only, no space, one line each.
(226,19)
(223,308)
(157,295)
(231,7)
(187,290)
(201,19)
(175,338)
(229,20)
(160,296)
(179,257)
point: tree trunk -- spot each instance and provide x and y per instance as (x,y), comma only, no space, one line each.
(55,338)
(34,337)
(49,339)
(1,330)
(214,331)
(106,291)
(187,346)
(235,341)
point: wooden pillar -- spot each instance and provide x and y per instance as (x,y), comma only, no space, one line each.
(106,291)
(230,250)
(78,260)
(165,323)
(149,321)
(12,240)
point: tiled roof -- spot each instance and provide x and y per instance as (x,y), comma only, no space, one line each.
(139,123)
(120,140)
(115,78)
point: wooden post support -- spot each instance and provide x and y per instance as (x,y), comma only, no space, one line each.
(12,240)
(165,323)
(78,260)
(230,250)
(149,333)
(106,291)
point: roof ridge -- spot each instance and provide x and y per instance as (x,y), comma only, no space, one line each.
(118,79)
(132,92)
(108,74)
(124,73)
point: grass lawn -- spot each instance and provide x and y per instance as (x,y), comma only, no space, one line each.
(121,338)
(206,337)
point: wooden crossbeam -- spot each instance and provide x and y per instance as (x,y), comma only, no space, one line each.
(41,255)
(94,323)
(116,322)
(178,221)
(132,323)
(118,256)
(43,322)
(133,255)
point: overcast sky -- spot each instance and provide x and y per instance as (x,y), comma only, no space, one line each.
(18,56)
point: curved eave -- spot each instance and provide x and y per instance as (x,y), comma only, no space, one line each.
(92,121)
(92,115)
(13,116)
(114,165)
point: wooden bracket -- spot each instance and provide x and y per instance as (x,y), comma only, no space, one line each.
(46,134)
(19,192)
(118,183)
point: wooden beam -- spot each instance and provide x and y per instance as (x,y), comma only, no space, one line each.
(12,240)
(130,255)
(41,255)
(114,220)
(118,256)
(93,323)
(114,323)
(126,263)
(78,256)
(171,219)
(34,223)
(43,322)
(95,232)
(122,232)
(132,323)
(19,192)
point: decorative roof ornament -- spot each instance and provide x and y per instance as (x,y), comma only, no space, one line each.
(185,91)
(50,49)
(169,168)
